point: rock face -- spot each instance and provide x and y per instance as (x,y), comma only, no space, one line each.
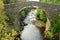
(39,23)
(48,25)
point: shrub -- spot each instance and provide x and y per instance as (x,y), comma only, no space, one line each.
(41,15)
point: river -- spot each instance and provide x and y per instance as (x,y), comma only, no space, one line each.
(30,31)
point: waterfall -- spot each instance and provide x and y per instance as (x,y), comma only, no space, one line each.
(31,32)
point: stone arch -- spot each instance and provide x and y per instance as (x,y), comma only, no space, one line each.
(33,7)
(50,9)
(27,7)
(13,9)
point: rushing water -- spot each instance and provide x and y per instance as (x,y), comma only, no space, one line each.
(31,32)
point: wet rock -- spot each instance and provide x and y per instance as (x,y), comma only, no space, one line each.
(39,23)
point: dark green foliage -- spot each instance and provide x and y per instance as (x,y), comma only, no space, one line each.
(56,27)
(6,1)
(51,1)
(56,24)
(41,15)
(24,12)
(10,1)
(13,1)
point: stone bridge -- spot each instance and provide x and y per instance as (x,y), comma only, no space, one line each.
(51,10)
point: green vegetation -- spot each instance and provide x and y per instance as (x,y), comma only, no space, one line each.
(55,28)
(6,34)
(41,15)
(10,1)
(51,1)
(14,1)
(24,12)
(56,24)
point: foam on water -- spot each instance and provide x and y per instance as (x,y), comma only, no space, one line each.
(31,32)
(30,17)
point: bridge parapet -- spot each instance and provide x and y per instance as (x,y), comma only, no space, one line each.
(50,9)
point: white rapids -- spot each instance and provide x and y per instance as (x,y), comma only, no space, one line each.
(31,32)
